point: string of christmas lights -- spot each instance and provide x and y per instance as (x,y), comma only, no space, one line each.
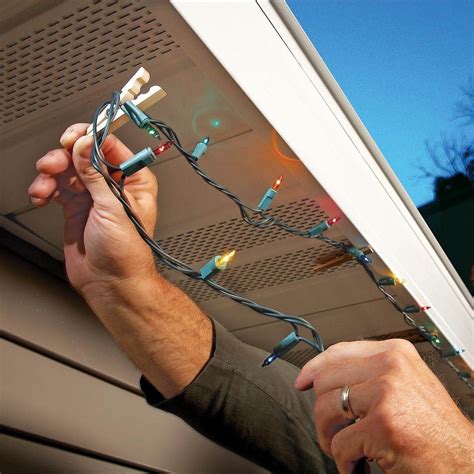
(255,216)
(215,265)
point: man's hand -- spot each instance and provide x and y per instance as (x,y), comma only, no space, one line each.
(101,246)
(408,422)
(160,328)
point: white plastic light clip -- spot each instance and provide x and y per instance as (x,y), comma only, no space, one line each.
(131,92)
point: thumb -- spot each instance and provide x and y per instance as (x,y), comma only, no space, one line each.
(92,180)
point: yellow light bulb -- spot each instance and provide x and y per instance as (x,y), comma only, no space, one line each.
(225,259)
(399,281)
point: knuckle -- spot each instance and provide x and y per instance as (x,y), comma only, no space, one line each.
(403,346)
(338,347)
(392,360)
(387,384)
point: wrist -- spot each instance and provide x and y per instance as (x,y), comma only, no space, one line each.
(128,292)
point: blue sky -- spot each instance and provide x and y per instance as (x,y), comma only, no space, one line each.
(401,64)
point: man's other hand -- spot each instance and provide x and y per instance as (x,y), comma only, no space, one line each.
(406,421)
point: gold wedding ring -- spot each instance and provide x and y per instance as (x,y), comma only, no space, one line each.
(346,404)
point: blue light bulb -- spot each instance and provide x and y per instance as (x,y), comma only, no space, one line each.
(200,148)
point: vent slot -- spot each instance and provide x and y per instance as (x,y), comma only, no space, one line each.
(90,44)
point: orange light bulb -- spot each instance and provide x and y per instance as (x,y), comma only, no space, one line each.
(277,183)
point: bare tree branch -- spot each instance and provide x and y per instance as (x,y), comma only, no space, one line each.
(464,108)
(451,156)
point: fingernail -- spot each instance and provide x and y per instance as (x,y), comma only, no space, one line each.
(82,146)
(65,136)
(37,201)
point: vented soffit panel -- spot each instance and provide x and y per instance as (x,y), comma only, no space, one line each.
(69,49)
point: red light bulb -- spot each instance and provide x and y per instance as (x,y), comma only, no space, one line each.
(333,221)
(424,308)
(162,148)
(277,183)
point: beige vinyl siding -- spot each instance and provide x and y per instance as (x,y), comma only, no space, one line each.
(64,379)
(24,456)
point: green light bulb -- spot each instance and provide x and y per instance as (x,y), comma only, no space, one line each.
(152,131)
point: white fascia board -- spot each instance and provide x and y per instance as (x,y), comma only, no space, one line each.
(299,105)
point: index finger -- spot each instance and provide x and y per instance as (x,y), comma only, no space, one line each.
(344,351)
(72,134)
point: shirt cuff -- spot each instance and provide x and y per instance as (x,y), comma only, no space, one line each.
(154,396)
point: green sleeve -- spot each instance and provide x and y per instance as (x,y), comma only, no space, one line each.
(251,410)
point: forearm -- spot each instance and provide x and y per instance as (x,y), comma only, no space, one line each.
(163,332)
